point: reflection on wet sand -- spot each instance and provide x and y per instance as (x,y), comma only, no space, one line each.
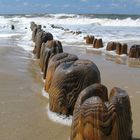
(118,59)
(22,107)
(134,62)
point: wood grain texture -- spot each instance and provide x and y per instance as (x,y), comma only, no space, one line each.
(98,118)
(54,62)
(50,48)
(68,81)
(41,36)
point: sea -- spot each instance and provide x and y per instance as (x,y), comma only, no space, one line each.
(122,28)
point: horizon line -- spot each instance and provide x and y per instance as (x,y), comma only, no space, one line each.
(121,14)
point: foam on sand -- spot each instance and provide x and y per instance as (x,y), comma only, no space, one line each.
(55,117)
(26,47)
(95,50)
(7,35)
(45,94)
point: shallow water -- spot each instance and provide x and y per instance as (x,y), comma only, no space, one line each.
(123,28)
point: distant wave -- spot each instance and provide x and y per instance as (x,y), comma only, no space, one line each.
(110,16)
(64,16)
(98,20)
(128,22)
(9,35)
(103,20)
(108,27)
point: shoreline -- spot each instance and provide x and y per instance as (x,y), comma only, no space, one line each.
(22,107)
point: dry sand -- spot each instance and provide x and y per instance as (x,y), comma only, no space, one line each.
(23,108)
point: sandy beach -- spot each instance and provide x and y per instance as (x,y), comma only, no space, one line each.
(23,113)
(22,107)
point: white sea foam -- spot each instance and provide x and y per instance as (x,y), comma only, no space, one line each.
(124,30)
(26,47)
(62,15)
(45,94)
(55,117)
(43,80)
(80,20)
(95,49)
(8,35)
(41,73)
(111,53)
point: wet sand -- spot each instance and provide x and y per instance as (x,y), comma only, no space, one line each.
(23,108)
(117,75)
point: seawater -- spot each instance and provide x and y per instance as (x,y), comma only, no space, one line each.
(123,28)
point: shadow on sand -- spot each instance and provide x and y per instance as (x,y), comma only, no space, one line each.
(136,138)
